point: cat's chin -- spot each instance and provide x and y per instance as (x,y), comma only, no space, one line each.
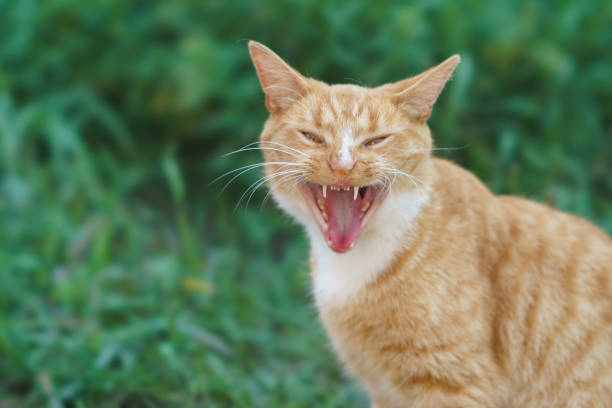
(342,212)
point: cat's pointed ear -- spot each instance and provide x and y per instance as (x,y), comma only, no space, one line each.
(282,84)
(418,94)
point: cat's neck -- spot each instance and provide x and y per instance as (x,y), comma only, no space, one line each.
(338,277)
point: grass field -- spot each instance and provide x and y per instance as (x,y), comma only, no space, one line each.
(110,300)
(127,280)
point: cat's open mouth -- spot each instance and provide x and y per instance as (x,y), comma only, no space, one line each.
(342,212)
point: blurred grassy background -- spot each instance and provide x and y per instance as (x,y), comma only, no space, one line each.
(127,281)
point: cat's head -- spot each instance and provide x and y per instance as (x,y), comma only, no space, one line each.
(334,153)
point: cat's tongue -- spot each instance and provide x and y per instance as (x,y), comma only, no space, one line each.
(343,222)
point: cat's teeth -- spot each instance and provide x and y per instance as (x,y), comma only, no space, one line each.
(365,206)
(329,242)
(324,188)
(355,191)
(320,204)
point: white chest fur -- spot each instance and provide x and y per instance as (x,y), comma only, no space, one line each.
(337,277)
(340,277)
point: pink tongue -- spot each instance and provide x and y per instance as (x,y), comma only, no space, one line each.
(343,222)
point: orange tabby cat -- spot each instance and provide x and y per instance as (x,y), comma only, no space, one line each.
(434,292)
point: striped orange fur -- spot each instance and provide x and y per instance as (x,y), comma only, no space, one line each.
(449,296)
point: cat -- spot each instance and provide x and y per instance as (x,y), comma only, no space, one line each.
(433,291)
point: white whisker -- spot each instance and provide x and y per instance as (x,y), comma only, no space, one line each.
(452,148)
(261,145)
(418,184)
(294,178)
(285,147)
(246,169)
(249,167)
(255,186)
(262,148)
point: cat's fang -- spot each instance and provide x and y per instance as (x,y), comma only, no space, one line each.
(355,192)
(324,188)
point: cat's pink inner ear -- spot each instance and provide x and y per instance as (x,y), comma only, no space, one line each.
(282,84)
(420,95)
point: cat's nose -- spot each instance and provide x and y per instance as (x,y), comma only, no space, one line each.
(341,163)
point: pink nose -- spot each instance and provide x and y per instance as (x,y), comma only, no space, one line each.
(341,165)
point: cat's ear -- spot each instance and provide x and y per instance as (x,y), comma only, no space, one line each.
(282,84)
(418,94)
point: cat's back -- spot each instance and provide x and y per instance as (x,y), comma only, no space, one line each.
(556,245)
(513,223)
(550,277)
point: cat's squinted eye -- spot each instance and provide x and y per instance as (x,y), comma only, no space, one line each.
(375,141)
(312,137)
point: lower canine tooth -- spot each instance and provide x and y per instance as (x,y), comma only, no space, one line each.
(366,205)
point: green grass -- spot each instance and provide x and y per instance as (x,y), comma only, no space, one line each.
(108,300)
(126,280)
